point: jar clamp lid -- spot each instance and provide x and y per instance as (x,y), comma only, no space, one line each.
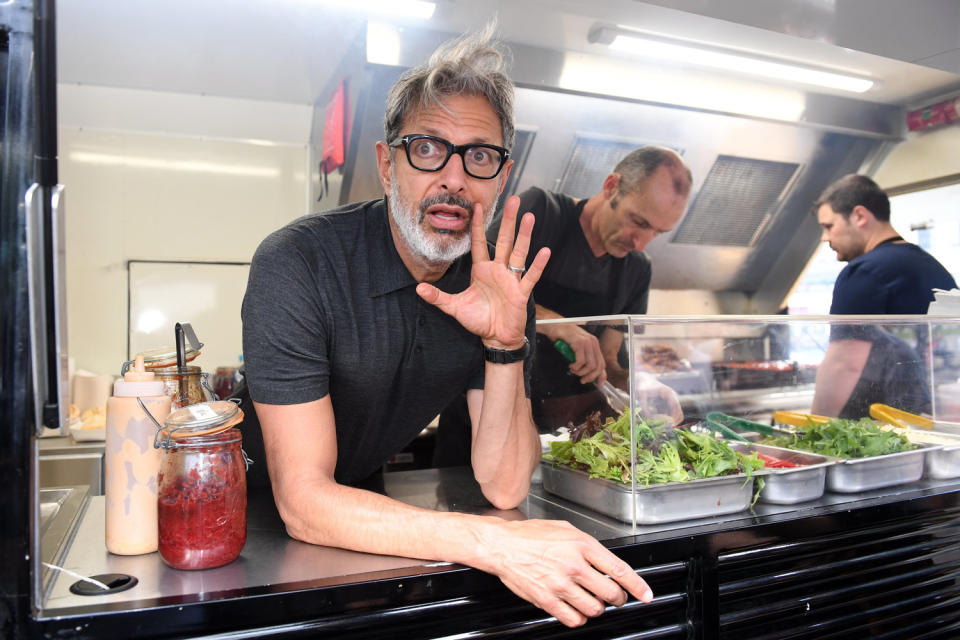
(162,357)
(201,419)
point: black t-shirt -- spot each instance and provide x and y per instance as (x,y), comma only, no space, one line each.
(895,373)
(575,282)
(330,308)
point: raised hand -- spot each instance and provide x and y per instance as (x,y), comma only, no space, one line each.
(494,306)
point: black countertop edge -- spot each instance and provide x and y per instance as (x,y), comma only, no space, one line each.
(438,584)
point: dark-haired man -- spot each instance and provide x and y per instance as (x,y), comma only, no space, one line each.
(885,274)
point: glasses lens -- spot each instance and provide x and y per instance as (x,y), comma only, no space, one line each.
(427,154)
(482,162)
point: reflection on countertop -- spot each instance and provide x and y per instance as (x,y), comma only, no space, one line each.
(61,509)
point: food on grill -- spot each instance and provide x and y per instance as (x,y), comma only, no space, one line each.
(662,358)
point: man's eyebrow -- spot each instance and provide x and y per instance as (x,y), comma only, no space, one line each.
(430,131)
(647,222)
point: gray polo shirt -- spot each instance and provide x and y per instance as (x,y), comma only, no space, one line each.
(330,308)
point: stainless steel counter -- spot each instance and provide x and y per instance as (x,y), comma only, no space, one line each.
(63,462)
(272,561)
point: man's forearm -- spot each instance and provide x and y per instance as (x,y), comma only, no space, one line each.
(336,515)
(552,331)
(505,444)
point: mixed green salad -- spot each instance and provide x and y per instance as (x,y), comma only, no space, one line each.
(844,439)
(663,454)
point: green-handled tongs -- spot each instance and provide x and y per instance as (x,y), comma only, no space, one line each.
(725,424)
(618,400)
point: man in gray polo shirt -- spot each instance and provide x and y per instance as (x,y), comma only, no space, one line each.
(361,324)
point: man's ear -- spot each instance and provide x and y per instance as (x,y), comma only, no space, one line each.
(611,185)
(861,216)
(384,158)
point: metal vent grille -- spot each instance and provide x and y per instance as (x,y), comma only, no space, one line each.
(523,141)
(592,159)
(735,202)
(903,580)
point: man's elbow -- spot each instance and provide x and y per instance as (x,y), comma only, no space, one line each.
(505,497)
(296,515)
(293,521)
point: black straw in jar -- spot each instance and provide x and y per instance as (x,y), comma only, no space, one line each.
(181,348)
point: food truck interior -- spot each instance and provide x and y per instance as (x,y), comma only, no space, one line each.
(168,139)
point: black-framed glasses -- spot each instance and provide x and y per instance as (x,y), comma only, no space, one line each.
(430,153)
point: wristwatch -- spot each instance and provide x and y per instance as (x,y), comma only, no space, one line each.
(506,356)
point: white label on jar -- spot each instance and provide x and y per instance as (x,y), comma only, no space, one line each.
(202,412)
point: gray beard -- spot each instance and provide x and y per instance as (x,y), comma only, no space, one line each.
(438,248)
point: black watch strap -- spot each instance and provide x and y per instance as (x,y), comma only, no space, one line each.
(507,356)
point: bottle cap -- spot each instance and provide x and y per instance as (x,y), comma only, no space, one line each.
(138,382)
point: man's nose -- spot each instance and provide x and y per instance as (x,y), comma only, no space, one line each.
(643,238)
(453,177)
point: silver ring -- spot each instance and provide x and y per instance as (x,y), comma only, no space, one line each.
(518,270)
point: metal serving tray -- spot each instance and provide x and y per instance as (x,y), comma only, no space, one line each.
(655,504)
(791,485)
(862,474)
(942,463)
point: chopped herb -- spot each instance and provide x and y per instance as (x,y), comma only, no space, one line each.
(844,439)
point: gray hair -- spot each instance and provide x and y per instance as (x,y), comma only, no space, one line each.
(638,165)
(469,65)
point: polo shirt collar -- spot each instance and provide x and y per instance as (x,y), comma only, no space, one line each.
(387,271)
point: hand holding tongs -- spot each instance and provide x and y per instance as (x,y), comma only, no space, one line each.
(897,417)
(618,400)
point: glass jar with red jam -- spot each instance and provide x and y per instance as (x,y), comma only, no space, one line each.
(202,487)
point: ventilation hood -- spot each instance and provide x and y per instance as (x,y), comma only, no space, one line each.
(748,232)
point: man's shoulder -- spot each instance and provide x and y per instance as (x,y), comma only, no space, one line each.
(346,216)
(543,201)
(316,229)
(896,259)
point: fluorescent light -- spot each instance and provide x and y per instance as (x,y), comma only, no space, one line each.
(139,162)
(383,43)
(622,39)
(405,8)
(604,76)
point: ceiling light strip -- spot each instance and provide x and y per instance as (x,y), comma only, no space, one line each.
(620,39)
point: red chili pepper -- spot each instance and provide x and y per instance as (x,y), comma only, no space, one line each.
(776,463)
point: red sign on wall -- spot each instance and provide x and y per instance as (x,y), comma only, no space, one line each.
(335,130)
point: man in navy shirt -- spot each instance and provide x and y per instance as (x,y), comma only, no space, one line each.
(885,274)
